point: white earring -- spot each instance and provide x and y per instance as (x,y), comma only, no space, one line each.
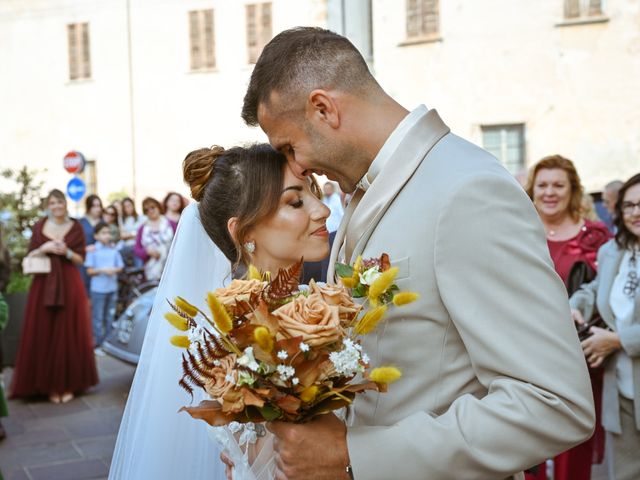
(250,247)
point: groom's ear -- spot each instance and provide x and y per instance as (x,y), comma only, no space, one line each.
(322,107)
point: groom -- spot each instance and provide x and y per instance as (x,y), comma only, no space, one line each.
(494,380)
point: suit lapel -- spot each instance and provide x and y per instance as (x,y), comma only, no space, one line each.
(420,139)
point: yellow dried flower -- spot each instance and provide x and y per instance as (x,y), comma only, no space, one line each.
(181,341)
(357,266)
(263,338)
(369,321)
(221,317)
(254,273)
(348,282)
(177,321)
(309,394)
(186,307)
(382,284)
(385,374)
(404,298)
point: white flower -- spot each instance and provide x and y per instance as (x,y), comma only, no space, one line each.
(216,363)
(282,355)
(245,378)
(365,358)
(286,372)
(229,378)
(295,380)
(248,360)
(304,347)
(347,361)
(370,275)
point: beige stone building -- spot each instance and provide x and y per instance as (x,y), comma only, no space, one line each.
(136,84)
(523,78)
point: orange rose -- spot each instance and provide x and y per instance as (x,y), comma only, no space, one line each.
(223,377)
(317,322)
(337,295)
(238,291)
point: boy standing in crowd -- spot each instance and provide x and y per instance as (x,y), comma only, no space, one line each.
(103,265)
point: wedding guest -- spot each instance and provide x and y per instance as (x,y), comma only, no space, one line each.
(5,273)
(55,356)
(173,205)
(557,193)
(588,208)
(130,224)
(93,215)
(610,196)
(103,266)
(110,217)
(609,199)
(118,206)
(332,199)
(153,239)
(615,293)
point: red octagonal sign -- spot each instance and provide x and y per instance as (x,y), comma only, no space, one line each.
(74,162)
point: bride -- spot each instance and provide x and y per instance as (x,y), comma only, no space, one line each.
(252,209)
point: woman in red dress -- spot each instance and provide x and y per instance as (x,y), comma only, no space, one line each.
(56,356)
(556,191)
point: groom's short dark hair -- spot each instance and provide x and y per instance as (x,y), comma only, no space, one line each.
(300,59)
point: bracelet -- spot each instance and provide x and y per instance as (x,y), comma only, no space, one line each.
(69,254)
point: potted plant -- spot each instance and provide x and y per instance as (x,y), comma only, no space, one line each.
(20,209)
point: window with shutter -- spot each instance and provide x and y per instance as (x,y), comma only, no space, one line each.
(422,18)
(575,9)
(79,48)
(259,29)
(202,45)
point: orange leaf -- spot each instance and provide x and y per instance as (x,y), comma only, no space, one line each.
(250,398)
(290,345)
(262,316)
(211,412)
(289,403)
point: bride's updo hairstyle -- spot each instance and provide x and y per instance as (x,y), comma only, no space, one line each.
(242,182)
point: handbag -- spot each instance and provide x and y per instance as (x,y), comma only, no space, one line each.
(582,273)
(36,264)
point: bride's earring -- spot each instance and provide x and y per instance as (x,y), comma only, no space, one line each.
(250,247)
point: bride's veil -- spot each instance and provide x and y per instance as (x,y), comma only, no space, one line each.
(155,441)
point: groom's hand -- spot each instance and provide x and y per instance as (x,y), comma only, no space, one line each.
(316,450)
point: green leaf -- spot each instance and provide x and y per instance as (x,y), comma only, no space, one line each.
(359,291)
(270,413)
(344,270)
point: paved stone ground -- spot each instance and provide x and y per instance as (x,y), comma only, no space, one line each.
(72,441)
(75,441)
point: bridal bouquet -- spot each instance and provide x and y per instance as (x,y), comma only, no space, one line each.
(270,349)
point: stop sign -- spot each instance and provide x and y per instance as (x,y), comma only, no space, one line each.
(73,162)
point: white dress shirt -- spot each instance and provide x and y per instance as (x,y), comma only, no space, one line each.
(390,146)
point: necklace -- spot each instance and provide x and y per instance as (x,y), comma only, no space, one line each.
(632,283)
(551,233)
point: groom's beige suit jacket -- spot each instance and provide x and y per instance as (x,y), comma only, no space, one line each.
(494,380)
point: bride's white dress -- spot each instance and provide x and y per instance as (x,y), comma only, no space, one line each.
(155,441)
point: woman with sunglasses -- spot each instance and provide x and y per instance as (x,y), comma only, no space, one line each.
(616,294)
